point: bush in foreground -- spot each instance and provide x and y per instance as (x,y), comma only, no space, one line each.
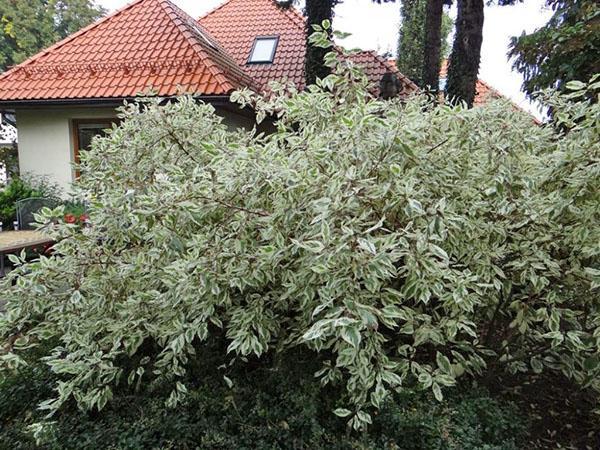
(403,247)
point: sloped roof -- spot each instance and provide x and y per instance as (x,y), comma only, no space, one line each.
(147,45)
(375,66)
(483,91)
(237,23)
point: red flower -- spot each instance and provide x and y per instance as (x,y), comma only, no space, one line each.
(83,218)
(70,218)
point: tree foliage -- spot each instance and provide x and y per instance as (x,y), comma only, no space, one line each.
(411,45)
(28,26)
(566,48)
(411,41)
(405,247)
(9,162)
(20,188)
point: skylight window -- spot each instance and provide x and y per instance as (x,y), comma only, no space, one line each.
(263,50)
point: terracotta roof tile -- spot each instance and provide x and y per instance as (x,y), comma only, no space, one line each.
(237,23)
(254,18)
(375,66)
(153,45)
(483,91)
(115,56)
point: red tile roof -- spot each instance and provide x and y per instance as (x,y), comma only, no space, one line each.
(483,91)
(375,66)
(153,46)
(237,23)
(147,45)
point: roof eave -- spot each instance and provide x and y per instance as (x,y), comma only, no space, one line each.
(111,101)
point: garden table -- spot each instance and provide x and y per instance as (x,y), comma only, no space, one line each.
(15,241)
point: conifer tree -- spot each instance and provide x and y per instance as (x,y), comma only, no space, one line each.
(422,43)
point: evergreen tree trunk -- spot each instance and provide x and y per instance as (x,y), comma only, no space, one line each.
(466,52)
(316,11)
(433,44)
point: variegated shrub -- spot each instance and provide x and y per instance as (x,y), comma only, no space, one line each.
(405,246)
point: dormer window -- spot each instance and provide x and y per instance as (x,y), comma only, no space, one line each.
(263,50)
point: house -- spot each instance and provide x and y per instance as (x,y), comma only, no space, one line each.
(241,25)
(68,93)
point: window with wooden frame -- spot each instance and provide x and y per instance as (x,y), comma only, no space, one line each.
(84,131)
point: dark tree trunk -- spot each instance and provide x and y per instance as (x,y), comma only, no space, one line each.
(433,44)
(316,11)
(466,52)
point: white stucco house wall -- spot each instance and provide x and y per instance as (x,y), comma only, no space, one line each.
(46,146)
(48,137)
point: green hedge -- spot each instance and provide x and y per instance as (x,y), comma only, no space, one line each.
(266,408)
(20,189)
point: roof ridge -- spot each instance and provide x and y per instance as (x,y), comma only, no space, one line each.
(296,13)
(69,38)
(216,8)
(383,61)
(292,8)
(214,69)
(489,86)
(373,52)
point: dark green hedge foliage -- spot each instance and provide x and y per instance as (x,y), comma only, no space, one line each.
(20,189)
(265,409)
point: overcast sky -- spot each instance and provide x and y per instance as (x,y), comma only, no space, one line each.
(375,27)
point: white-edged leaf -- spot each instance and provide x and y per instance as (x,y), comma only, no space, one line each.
(342,412)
